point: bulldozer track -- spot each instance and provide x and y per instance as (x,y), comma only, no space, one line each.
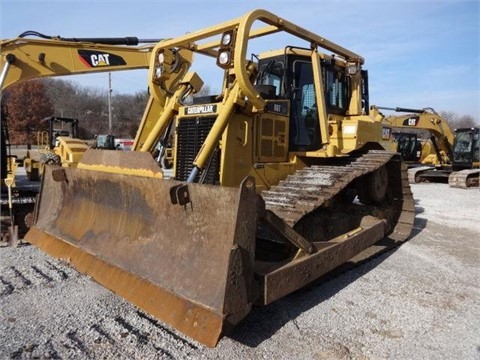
(316,186)
(313,187)
(414,173)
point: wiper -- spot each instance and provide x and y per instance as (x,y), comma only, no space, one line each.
(268,69)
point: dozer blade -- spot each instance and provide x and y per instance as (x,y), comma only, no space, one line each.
(188,264)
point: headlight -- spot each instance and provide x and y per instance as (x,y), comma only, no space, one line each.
(227,38)
(161,58)
(224,58)
(352,68)
(158,72)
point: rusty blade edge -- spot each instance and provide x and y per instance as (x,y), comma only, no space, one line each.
(193,320)
(299,273)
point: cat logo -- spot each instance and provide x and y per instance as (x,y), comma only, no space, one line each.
(100,59)
(411,121)
(93,58)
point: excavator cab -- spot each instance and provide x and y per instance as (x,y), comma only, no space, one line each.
(465,158)
(105,141)
(56,129)
(466,147)
(408,145)
(60,146)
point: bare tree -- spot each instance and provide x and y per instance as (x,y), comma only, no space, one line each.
(128,111)
(90,107)
(466,121)
(456,121)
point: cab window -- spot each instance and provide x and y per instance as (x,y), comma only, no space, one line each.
(335,86)
(304,125)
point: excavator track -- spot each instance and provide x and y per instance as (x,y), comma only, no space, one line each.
(414,174)
(314,201)
(464,178)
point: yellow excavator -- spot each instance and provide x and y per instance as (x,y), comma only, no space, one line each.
(421,157)
(277,179)
(455,157)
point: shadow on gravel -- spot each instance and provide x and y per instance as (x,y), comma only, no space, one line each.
(263,322)
(420,223)
(418,208)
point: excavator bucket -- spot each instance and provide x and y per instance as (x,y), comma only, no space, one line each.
(183,253)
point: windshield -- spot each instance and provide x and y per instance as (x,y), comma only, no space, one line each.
(467,145)
(271,73)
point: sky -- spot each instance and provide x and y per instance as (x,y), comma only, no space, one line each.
(418,53)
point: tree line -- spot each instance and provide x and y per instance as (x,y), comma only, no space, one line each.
(26,104)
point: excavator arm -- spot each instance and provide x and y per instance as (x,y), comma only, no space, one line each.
(24,58)
(424,119)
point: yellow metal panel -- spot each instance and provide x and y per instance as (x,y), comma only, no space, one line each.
(272,140)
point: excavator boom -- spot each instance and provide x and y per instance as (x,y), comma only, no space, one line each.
(33,55)
(25,58)
(427,119)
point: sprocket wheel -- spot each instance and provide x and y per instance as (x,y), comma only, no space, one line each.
(372,189)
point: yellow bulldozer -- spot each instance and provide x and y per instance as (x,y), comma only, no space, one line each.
(277,179)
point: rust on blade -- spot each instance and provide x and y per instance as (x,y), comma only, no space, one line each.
(330,254)
(194,320)
(189,266)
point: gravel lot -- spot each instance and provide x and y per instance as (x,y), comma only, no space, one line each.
(419,301)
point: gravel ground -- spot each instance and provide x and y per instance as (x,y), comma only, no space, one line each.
(419,301)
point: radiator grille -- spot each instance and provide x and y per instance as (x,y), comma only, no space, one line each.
(191,133)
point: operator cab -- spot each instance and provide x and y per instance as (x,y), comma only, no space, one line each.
(288,74)
(466,148)
(106,142)
(408,145)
